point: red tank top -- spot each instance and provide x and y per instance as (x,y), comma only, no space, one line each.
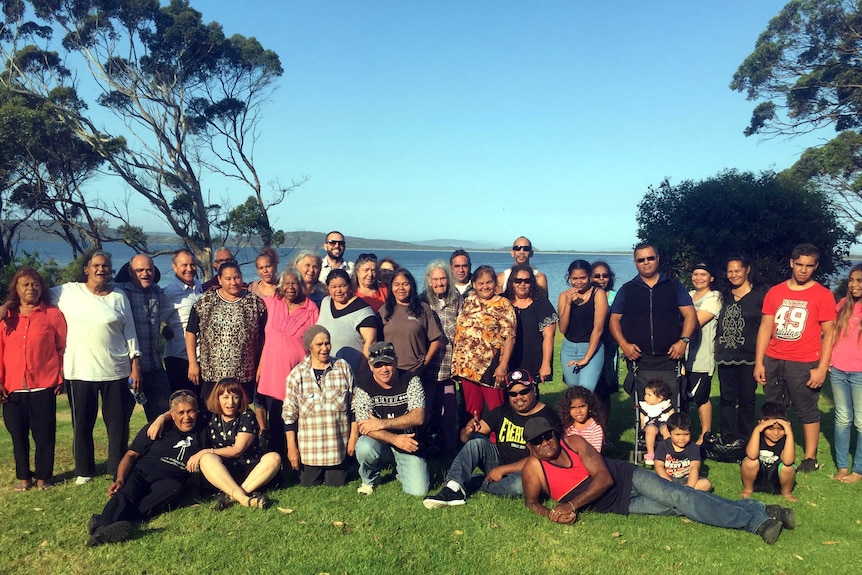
(562,481)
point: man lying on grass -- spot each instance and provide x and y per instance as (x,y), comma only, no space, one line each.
(573,473)
(151,474)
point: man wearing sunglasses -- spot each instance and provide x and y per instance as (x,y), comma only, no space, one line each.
(222,256)
(652,319)
(501,462)
(575,475)
(522,251)
(334,246)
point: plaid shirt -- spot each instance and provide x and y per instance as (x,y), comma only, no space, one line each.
(320,410)
(441,364)
(149,309)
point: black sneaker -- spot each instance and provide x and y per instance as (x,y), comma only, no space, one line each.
(769,530)
(808,465)
(113,533)
(446,498)
(784,514)
(93,523)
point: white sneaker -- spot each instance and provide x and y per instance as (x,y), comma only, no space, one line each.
(365,489)
(83,479)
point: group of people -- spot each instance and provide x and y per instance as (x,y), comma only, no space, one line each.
(330,360)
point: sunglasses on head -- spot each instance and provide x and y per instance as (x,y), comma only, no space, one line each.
(366,258)
(524,391)
(388,350)
(522,280)
(547,436)
(519,248)
(646,259)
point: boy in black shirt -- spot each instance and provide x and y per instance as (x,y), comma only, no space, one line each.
(770,455)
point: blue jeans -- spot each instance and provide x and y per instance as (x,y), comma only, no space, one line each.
(652,495)
(847,394)
(589,374)
(480,452)
(374,455)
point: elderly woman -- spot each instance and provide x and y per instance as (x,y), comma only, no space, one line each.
(537,324)
(101,357)
(365,282)
(583,311)
(441,403)
(309,263)
(234,463)
(349,320)
(227,323)
(700,355)
(288,315)
(320,431)
(32,342)
(266,264)
(484,340)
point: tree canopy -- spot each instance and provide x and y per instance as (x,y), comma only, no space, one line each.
(762,216)
(806,73)
(187,98)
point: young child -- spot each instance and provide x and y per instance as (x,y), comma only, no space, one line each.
(769,456)
(654,411)
(677,458)
(581,414)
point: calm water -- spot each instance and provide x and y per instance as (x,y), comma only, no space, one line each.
(553,265)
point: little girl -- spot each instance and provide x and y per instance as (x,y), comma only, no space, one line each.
(581,414)
(654,411)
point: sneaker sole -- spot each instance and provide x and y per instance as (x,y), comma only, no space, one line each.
(436,504)
(113,533)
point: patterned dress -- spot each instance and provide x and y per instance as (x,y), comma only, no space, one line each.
(481,329)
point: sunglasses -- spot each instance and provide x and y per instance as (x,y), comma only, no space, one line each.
(519,248)
(646,259)
(547,436)
(601,276)
(335,242)
(224,260)
(524,391)
(366,258)
(388,350)
(522,280)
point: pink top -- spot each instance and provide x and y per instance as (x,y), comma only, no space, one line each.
(31,349)
(847,353)
(282,347)
(592,433)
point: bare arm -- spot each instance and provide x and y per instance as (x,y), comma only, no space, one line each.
(630,350)
(689,322)
(547,351)
(192,352)
(764,334)
(601,306)
(123,469)
(827,342)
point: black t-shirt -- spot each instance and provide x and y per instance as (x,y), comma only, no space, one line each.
(167,456)
(404,395)
(508,425)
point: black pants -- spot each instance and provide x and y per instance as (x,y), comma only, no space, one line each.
(139,498)
(32,412)
(178,374)
(334,476)
(117,407)
(737,389)
(275,425)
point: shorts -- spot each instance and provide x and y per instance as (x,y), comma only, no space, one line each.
(785,383)
(768,478)
(699,386)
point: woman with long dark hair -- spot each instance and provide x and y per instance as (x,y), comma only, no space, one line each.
(537,324)
(583,311)
(846,377)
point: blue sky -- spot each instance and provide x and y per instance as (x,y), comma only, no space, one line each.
(484,121)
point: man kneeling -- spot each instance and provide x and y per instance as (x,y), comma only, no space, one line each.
(151,474)
(573,473)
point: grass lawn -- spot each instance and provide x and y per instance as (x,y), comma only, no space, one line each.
(325,530)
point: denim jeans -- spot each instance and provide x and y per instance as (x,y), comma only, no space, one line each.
(847,394)
(374,455)
(480,452)
(588,376)
(652,495)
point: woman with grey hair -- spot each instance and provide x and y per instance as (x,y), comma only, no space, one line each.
(441,403)
(288,314)
(309,264)
(101,358)
(317,406)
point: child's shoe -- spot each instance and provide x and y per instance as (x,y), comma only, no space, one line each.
(649,459)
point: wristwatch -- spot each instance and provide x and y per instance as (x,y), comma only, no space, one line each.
(685,340)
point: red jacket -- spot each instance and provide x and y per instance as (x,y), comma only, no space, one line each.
(31,349)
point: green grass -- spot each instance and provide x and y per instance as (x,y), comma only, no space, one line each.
(339,531)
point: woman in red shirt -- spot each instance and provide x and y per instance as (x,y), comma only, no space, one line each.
(32,341)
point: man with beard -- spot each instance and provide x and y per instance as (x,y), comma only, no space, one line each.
(501,461)
(334,247)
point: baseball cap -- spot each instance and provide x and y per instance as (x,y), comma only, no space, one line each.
(381,352)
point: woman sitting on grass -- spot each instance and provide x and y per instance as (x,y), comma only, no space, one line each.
(235,455)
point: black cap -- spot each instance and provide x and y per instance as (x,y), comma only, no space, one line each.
(535,427)
(381,352)
(519,377)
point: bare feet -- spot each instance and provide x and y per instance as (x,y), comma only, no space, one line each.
(842,474)
(746,493)
(790,497)
(852,478)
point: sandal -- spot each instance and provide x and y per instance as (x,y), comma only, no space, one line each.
(26,485)
(43,485)
(223,501)
(258,500)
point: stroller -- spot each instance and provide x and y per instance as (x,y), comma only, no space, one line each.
(634,385)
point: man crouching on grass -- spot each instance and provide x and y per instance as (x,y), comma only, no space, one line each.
(151,474)
(573,473)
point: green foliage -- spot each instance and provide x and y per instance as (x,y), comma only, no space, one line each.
(762,217)
(47,268)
